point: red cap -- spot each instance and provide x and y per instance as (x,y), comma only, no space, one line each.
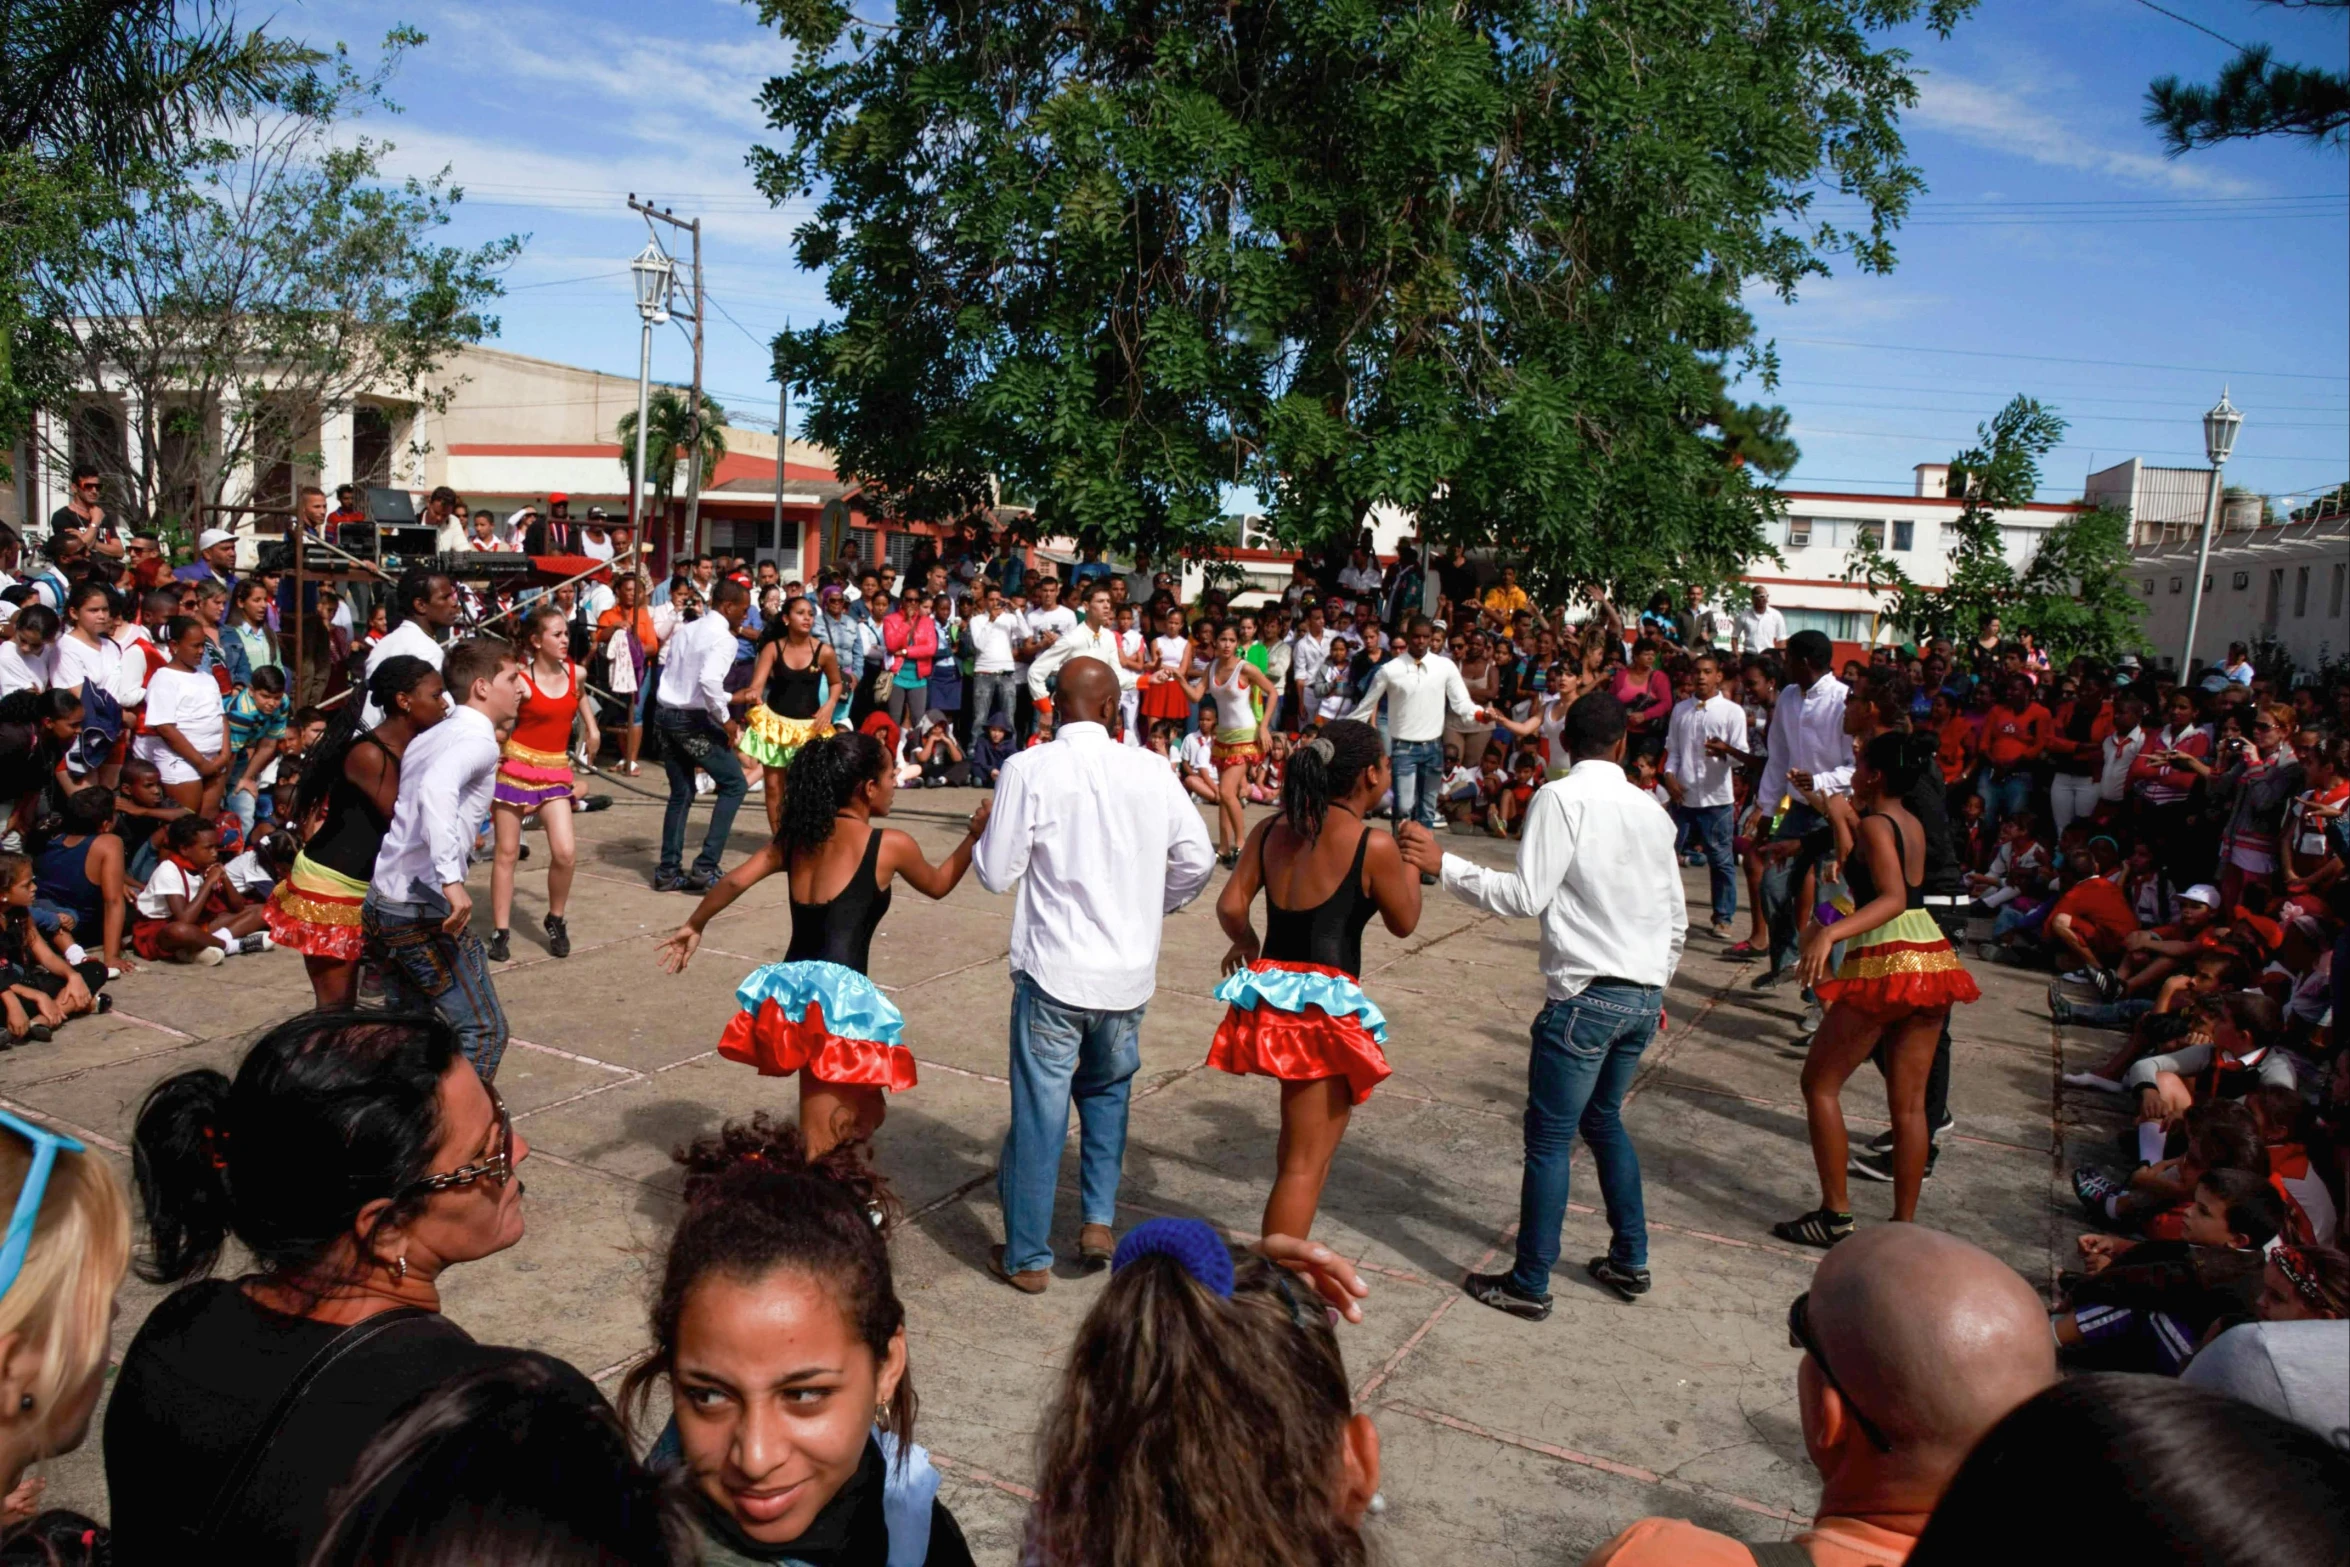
(557,498)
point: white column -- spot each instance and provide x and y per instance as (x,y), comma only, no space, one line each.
(134,436)
(336,449)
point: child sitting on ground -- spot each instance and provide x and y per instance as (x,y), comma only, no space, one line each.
(1525,778)
(989,751)
(2151,956)
(188,913)
(35,977)
(2241,1053)
(1198,763)
(2152,1201)
(2017,867)
(2288,1134)
(265,862)
(141,813)
(2147,1306)
(1458,798)
(1264,774)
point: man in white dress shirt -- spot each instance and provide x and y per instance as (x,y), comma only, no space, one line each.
(1758,627)
(1094,637)
(691,707)
(1706,727)
(418,915)
(1420,686)
(1309,661)
(1806,755)
(1102,844)
(425,603)
(1596,867)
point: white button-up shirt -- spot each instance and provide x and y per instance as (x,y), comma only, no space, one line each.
(1308,656)
(994,637)
(1079,641)
(1103,844)
(694,665)
(1807,736)
(1418,690)
(446,776)
(1596,867)
(412,637)
(1759,631)
(1704,779)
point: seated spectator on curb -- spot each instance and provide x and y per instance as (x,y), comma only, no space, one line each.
(1205,1418)
(39,988)
(2146,1305)
(2113,1468)
(57,1307)
(355,1158)
(509,1464)
(2241,1054)
(2294,1361)
(779,1265)
(1915,1344)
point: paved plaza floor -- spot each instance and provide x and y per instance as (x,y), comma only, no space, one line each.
(1504,1441)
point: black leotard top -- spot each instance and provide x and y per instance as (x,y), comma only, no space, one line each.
(791,693)
(354,828)
(1861,882)
(841,931)
(1329,934)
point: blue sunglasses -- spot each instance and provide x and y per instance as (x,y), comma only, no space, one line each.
(28,1202)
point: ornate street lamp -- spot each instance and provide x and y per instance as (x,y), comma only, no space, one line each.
(651,272)
(2219,438)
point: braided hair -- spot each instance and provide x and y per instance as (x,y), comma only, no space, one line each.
(824,777)
(394,678)
(756,1203)
(1324,768)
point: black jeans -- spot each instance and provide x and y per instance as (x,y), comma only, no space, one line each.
(691,738)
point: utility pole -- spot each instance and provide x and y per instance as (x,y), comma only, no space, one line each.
(782,441)
(693,492)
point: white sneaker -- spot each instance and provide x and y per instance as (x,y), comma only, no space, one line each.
(1813,1016)
(704,784)
(2080,976)
(210,957)
(2091,1080)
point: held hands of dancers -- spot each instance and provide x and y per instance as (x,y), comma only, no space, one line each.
(1420,849)
(979,817)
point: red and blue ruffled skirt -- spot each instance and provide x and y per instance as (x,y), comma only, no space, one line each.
(1300,1022)
(822,1018)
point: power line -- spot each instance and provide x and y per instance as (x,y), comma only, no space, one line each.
(2064,359)
(2191,22)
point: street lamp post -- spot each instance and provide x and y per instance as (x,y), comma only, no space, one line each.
(650,270)
(2219,438)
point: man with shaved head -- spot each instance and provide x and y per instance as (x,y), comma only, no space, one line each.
(1914,1344)
(1102,844)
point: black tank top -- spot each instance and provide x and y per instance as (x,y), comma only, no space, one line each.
(841,931)
(791,693)
(1329,934)
(354,828)
(1861,882)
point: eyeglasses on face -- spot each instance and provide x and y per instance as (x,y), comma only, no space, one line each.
(46,1146)
(1799,1336)
(499,1166)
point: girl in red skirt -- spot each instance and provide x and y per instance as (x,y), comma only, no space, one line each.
(1898,981)
(1296,1011)
(534,775)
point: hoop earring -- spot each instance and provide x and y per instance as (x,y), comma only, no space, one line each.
(400,1268)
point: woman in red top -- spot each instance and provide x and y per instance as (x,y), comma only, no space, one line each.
(534,774)
(1647,696)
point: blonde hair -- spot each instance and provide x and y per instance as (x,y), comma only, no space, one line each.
(62,1301)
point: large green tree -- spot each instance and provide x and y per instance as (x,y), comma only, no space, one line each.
(93,93)
(1486,260)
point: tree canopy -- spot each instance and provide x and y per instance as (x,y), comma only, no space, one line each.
(2255,96)
(1485,262)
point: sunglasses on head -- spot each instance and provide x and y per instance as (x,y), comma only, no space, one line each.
(1799,1336)
(46,1145)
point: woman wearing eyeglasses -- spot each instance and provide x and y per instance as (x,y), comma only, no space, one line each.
(355,1158)
(67,1245)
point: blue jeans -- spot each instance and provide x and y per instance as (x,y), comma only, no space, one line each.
(992,694)
(689,739)
(1780,882)
(1419,779)
(428,970)
(1586,1051)
(1060,1053)
(2003,797)
(1711,826)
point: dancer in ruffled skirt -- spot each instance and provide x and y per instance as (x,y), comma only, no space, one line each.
(1898,979)
(798,679)
(1296,1010)
(815,1013)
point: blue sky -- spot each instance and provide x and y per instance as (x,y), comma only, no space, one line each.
(2057,252)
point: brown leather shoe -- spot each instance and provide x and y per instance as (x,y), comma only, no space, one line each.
(1030,1282)
(1096,1245)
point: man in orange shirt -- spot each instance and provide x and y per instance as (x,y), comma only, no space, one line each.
(1915,1344)
(2015,733)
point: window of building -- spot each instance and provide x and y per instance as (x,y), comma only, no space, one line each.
(2334,593)
(2240,581)
(2300,592)
(371,446)
(901,548)
(1905,534)
(1841,625)
(868,541)
(2150,587)
(1798,534)
(1872,533)
(2178,584)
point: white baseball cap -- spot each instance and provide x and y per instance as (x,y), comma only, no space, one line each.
(211,536)
(2202,892)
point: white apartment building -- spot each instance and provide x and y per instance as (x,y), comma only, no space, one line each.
(2285,583)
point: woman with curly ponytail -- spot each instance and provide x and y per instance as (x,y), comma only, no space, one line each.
(1295,1010)
(815,1013)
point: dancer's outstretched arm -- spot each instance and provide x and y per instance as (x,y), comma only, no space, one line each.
(678,950)
(902,856)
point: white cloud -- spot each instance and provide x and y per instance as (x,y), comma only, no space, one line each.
(2008,117)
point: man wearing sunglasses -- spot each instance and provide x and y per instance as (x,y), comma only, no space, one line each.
(1914,1343)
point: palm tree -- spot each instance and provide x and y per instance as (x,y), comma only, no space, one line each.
(669,433)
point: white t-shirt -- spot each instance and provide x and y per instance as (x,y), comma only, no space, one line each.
(18,673)
(1047,626)
(1197,754)
(1361,579)
(166,880)
(248,875)
(993,636)
(189,703)
(1760,632)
